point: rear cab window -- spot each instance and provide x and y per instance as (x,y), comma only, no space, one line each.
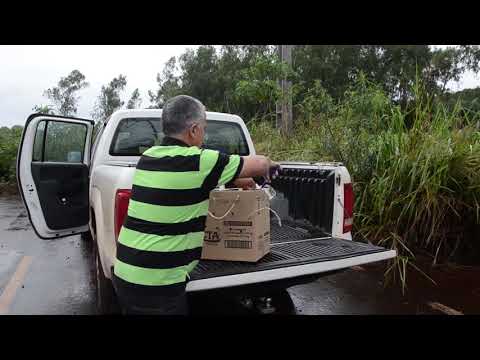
(134,136)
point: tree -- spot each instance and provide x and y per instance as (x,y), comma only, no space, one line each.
(168,85)
(395,67)
(211,76)
(236,78)
(259,84)
(64,96)
(135,100)
(199,75)
(109,99)
(233,61)
(469,99)
(449,64)
(43,109)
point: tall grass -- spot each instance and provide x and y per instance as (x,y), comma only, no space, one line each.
(416,173)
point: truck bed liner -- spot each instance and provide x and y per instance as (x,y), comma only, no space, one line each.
(290,247)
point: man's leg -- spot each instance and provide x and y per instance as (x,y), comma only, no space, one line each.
(133,302)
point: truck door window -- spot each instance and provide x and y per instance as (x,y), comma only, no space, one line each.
(38,142)
(57,141)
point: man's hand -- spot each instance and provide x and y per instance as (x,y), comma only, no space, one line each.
(258,165)
(273,171)
(245,183)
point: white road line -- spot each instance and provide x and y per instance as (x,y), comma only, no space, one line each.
(443,308)
(358,268)
(15,281)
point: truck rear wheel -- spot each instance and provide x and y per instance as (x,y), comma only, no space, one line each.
(284,302)
(107,303)
(87,236)
(278,302)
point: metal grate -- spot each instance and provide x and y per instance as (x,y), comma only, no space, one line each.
(320,248)
(215,266)
(288,254)
(287,233)
(273,256)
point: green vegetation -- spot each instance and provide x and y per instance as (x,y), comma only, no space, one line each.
(416,187)
(469,100)
(214,76)
(9,140)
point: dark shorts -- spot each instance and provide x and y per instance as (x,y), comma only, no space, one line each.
(136,302)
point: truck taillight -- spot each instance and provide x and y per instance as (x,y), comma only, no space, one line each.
(347,207)
(122,198)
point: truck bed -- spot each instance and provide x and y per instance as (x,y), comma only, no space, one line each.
(292,247)
(303,248)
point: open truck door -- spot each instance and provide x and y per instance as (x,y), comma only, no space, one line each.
(53,174)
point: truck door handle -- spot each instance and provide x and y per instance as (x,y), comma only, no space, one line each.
(62,200)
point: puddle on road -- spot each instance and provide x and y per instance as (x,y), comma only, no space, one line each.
(20,223)
(12,207)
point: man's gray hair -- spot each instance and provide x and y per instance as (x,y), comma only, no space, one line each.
(179,112)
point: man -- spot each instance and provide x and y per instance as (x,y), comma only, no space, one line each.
(161,240)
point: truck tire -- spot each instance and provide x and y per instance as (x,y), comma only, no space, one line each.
(87,236)
(282,302)
(106,299)
(242,304)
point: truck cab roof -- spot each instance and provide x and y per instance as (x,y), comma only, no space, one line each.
(158,112)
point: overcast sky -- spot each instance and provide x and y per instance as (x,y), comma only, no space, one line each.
(26,71)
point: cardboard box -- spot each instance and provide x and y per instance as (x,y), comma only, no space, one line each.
(242,234)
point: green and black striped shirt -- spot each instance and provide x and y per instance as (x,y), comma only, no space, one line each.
(161,240)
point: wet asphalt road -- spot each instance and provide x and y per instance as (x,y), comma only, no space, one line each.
(46,277)
(56,277)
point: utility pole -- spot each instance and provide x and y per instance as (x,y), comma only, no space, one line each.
(284,106)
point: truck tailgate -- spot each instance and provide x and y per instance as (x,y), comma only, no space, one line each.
(292,254)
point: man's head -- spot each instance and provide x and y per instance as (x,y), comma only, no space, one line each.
(184,118)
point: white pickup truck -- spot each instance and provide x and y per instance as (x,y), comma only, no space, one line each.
(73,181)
